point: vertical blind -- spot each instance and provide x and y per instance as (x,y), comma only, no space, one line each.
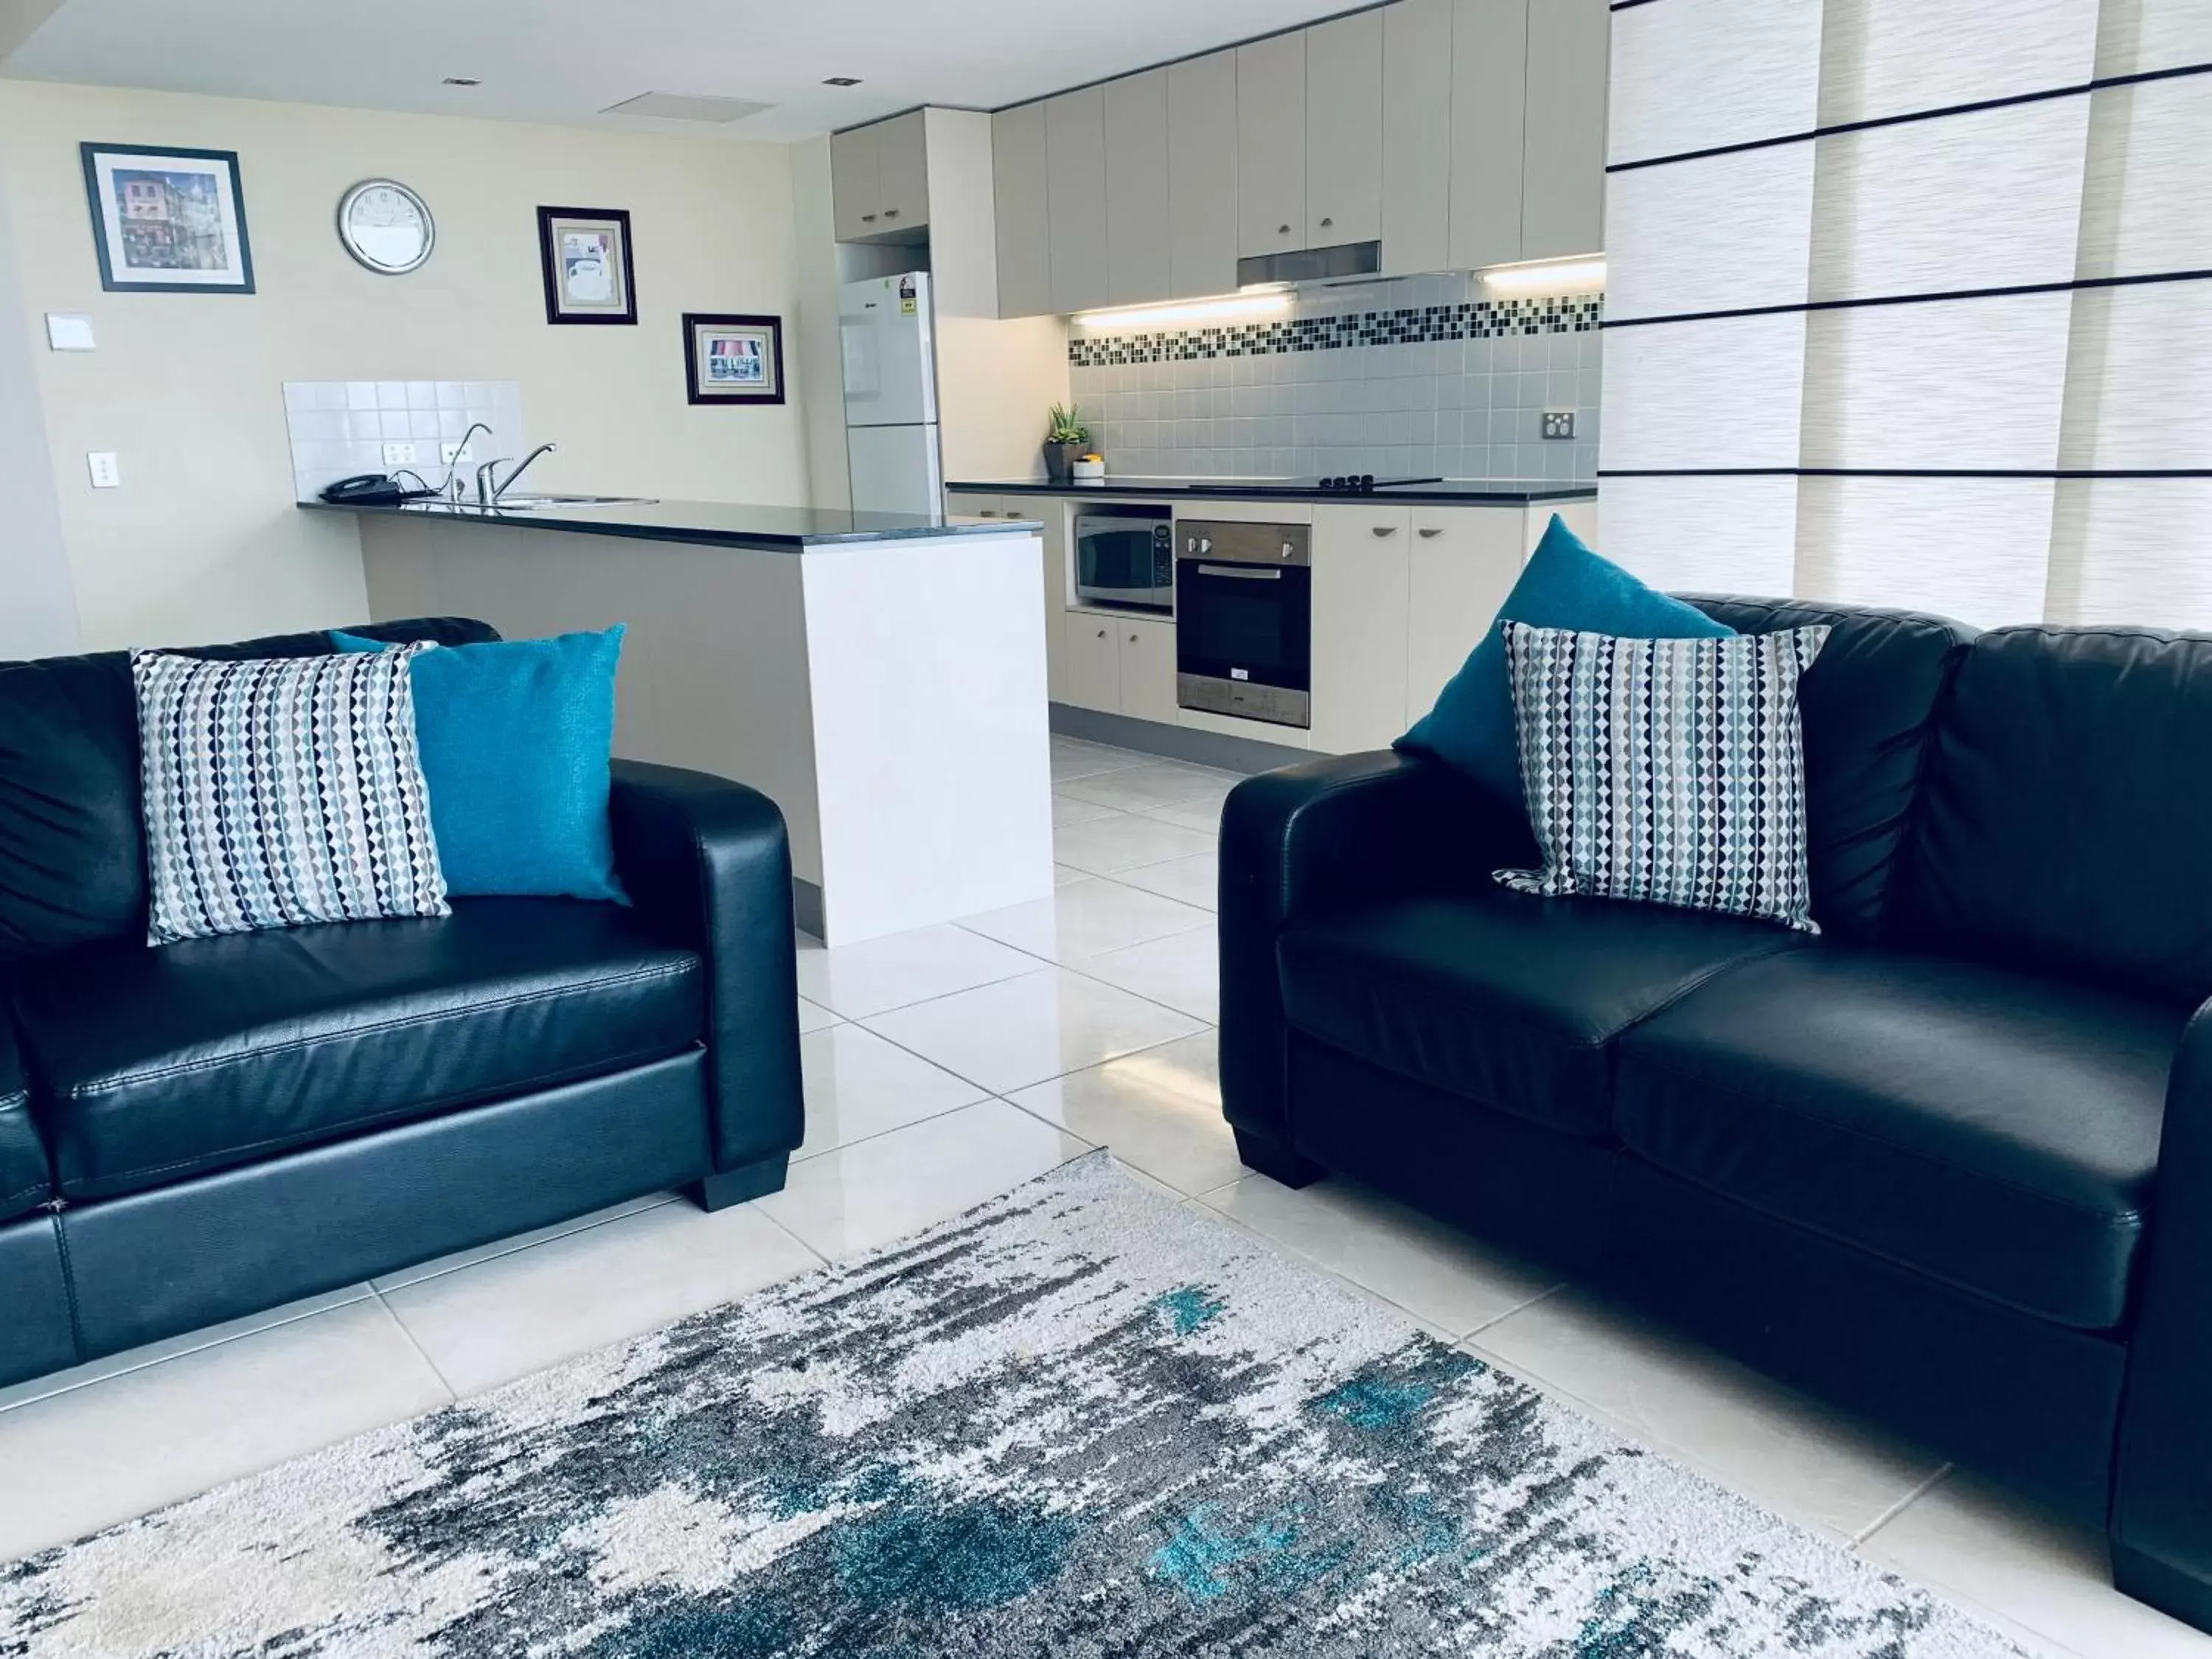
(1910,303)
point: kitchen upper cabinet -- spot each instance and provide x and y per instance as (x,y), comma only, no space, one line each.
(1417,77)
(1202,217)
(1489,93)
(1021,188)
(1344,129)
(1270,144)
(1075,157)
(879,179)
(1091,676)
(1147,650)
(855,185)
(1562,177)
(1464,564)
(1361,579)
(1139,259)
(902,172)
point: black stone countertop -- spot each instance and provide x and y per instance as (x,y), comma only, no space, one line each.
(713,523)
(1447,492)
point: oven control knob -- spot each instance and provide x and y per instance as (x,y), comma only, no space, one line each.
(1206,544)
(1286,549)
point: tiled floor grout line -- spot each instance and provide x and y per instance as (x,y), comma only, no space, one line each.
(755,1205)
(1942,1472)
(414,1342)
(661,1200)
(984,1099)
(1496,1320)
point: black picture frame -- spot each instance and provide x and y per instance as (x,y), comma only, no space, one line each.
(735,395)
(91,152)
(549,265)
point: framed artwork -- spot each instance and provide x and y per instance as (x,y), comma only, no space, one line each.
(733,360)
(587,259)
(168,221)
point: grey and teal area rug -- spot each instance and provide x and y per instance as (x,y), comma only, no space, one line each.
(1080,1421)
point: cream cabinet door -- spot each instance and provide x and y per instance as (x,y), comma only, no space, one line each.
(1093,668)
(1417,75)
(1202,227)
(1148,670)
(1138,261)
(1563,174)
(1344,129)
(855,183)
(1270,144)
(1489,94)
(1075,152)
(1360,596)
(902,174)
(1465,562)
(1019,173)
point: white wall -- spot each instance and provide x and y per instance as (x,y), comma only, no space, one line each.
(202,542)
(38,608)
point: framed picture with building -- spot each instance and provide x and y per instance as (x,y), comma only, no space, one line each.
(733,359)
(589,275)
(168,221)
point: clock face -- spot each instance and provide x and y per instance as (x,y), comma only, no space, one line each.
(385,226)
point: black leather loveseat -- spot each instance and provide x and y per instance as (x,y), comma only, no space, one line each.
(1948,1164)
(194,1133)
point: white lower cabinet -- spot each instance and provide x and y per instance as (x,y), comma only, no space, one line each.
(1148,670)
(1119,665)
(1092,672)
(1464,564)
(1361,589)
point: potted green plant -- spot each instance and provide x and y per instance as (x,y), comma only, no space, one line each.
(1064,438)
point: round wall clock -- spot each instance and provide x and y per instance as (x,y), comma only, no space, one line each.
(386,226)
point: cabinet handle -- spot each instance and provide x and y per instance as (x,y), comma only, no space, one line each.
(987,512)
(1326,223)
(1282,230)
(890,213)
(867,218)
(1133,639)
(1384,529)
(1433,530)
(1101,633)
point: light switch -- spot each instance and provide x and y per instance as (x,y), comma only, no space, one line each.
(68,331)
(106,474)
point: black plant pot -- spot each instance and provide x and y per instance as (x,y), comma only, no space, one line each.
(1060,461)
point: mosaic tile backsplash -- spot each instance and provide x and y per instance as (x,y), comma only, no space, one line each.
(1414,376)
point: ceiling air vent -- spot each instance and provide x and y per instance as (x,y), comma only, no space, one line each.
(681,107)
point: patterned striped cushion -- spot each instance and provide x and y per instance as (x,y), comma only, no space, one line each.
(1667,770)
(279,793)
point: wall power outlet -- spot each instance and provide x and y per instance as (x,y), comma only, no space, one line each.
(1558,423)
(399,454)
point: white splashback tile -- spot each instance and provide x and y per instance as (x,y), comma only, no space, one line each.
(339,427)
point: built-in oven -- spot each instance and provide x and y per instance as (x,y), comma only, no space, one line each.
(1125,555)
(1244,620)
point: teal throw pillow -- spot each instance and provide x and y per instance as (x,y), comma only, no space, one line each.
(515,738)
(1564,585)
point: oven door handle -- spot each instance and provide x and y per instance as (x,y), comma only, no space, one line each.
(1242,573)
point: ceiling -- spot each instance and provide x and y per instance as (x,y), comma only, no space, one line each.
(563,61)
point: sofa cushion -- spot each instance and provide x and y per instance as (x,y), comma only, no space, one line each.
(150,1065)
(2067,812)
(1867,706)
(1504,998)
(72,854)
(23,1181)
(1993,1130)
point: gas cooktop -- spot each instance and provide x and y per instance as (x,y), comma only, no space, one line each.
(1345,483)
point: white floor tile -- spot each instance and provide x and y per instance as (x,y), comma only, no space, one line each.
(1072,759)
(1026,1030)
(1812,1465)
(858,1085)
(1182,971)
(1205,817)
(131,1359)
(1433,1271)
(1061,875)
(879,974)
(1158,1110)
(812,1017)
(507,1246)
(102,1453)
(1066,810)
(517,1313)
(1156,783)
(859,1197)
(1124,842)
(1195,879)
(1990,1551)
(1086,918)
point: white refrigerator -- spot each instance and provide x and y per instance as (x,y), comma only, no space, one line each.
(890,396)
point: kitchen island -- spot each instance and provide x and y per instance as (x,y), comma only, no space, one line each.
(881,677)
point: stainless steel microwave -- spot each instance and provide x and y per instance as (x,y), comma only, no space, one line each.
(1126,556)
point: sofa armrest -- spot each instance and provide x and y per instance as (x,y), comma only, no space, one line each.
(1350,830)
(708,864)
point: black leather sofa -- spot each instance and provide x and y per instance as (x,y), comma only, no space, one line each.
(192,1133)
(1948,1164)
